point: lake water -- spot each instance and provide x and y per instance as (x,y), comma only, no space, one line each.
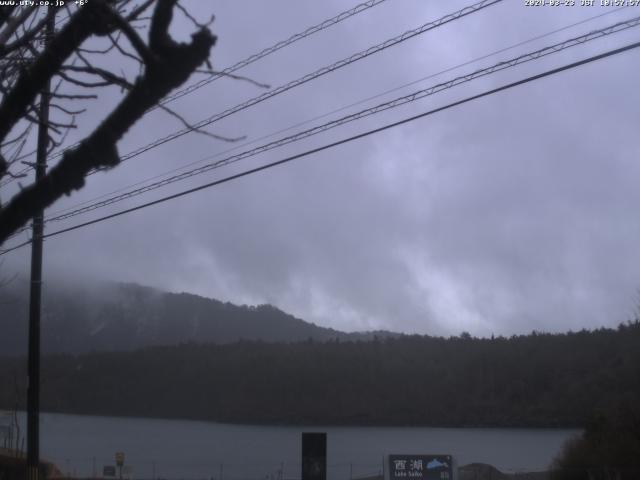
(173,449)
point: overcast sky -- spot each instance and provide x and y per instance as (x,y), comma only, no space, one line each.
(515,212)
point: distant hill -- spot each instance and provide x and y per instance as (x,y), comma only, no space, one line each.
(112,316)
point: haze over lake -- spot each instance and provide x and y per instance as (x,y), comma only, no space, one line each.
(190,449)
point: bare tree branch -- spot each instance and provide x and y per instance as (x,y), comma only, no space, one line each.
(169,66)
(5,14)
(12,25)
(32,79)
(235,77)
(75,96)
(81,83)
(186,13)
(66,110)
(133,37)
(199,130)
(116,44)
(108,77)
(136,12)
(28,35)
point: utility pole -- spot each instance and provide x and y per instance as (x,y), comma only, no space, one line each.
(33,379)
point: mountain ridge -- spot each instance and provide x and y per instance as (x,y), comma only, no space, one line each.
(126,316)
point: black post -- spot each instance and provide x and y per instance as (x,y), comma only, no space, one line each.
(314,456)
(33,380)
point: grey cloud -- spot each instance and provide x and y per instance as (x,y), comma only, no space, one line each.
(512,213)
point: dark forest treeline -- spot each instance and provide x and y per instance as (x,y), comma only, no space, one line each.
(534,380)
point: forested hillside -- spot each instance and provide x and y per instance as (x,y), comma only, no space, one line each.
(112,316)
(534,380)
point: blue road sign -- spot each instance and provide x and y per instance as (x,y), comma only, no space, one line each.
(420,467)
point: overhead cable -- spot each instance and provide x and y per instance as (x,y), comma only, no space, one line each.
(316,74)
(253,58)
(274,48)
(420,94)
(245,173)
(340,109)
(306,78)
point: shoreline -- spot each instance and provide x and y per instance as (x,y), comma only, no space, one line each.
(254,423)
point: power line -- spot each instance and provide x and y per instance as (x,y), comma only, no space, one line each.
(274,48)
(316,74)
(250,59)
(324,115)
(343,141)
(420,94)
(615,28)
(305,79)
(283,88)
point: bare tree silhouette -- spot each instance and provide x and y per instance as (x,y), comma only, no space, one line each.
(71,62)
